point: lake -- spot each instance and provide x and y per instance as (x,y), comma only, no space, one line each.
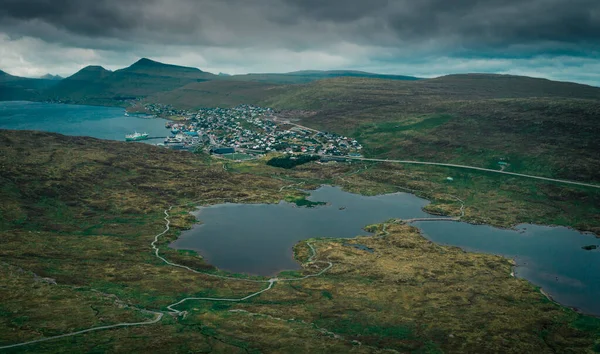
(550,257)
(258,239)
(99,122)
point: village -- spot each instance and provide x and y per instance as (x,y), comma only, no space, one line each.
(250,131)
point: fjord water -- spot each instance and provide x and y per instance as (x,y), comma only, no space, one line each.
(258,239)
(99,122)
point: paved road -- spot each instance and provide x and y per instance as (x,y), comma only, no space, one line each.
(473,168)
(454,165)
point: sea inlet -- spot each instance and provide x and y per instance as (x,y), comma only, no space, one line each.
(108,123)
(258,239)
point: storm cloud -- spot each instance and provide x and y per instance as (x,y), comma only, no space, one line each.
(381,35)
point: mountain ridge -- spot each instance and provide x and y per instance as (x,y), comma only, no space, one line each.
(147,78)
(49,76)
(145,63)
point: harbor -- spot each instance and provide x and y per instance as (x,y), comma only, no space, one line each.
(250,130)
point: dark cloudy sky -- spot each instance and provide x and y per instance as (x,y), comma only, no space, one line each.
(558,39)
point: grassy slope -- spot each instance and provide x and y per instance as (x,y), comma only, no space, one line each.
(83,212)
(299,77)
(83,86)
(21,88)
(538,126)
(221,93)
(493,199)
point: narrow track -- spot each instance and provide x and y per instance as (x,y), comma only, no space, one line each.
(157,318)
(158,314)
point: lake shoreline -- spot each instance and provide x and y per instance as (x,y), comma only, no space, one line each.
(106,123)
(521,230)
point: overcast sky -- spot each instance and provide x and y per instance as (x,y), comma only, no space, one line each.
(557,39)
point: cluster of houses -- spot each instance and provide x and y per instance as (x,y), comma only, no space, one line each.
(164,110)
(253,130)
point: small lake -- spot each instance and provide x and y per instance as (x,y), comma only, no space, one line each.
(258,239)
(99,122)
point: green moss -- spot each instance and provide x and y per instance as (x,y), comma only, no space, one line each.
(326,294)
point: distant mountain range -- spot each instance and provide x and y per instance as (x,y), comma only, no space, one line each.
(97,85)
(51,77)
(189,87)
(21,88)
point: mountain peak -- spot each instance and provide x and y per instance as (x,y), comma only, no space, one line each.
(4,74)
(90,72)
(93,68)
(149,64)
(51,77)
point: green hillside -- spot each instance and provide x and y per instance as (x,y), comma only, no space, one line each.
(96,85)
(537,126)
(88,84)
(358,93)
(305,76)
(146,77)
(20,88)
(218,93)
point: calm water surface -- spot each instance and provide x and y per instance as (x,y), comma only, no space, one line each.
(98,122)
(258,239)
(550,257)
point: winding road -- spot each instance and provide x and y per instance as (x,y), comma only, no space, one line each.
(473,168)
(271,282)
(159,315)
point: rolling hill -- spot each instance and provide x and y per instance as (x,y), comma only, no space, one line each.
(221,93)
(355,93)
(94,85)
(87,82)
(305,76)
(20,88)
(144,78)
(537,126)
(541,126)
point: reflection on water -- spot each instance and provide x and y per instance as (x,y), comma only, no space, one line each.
(258,239)
(550,257)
